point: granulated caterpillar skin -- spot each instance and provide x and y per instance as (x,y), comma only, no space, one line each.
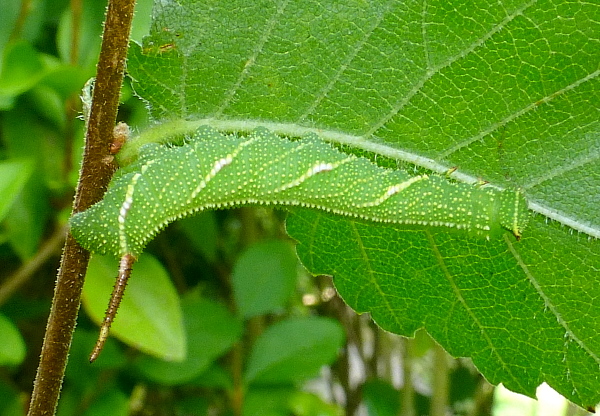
(213,170)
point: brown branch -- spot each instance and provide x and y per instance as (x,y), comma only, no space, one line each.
(94,177)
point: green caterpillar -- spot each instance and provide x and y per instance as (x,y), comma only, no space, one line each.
(213,170)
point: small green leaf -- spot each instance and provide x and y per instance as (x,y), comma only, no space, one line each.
(26,219)
(89,33)
(114,403)
(211,331)
(13,176)
(22,69)
(49,104)
(215,377)
(381,398)
(310,404)
(12,347)
(149,317)
(192,406)
(79,372)
(264,278)
(8,19)
(294,350)
(10,399)
(271,401)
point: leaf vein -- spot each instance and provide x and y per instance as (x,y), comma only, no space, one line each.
(463,302)
(433,71)
(531,107)
(344,65)
(271,23)
(548,302)
(591,155)
(373,279)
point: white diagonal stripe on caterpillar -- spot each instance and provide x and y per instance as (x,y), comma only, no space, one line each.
(217,166)
(312,171)
(393,190)
(125,207)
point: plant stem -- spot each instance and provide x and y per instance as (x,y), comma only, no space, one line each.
(94,177)
(439,400)
(407,394)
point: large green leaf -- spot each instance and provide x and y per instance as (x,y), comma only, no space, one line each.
(507,92)
(489,300)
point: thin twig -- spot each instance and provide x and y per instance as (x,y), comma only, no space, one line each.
(94,177)
(24,273)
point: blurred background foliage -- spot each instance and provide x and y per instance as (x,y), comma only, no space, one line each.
(219,317)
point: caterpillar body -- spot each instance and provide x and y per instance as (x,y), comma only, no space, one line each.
(212,170)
